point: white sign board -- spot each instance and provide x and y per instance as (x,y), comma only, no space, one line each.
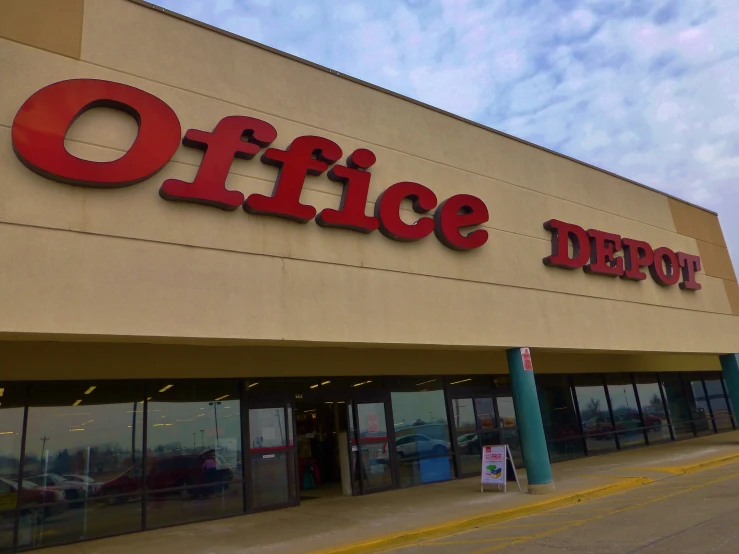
(495,466)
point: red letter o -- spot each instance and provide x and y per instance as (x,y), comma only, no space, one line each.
(665,257)
(43,120)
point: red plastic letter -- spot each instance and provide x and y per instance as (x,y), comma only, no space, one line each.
(355,181)
(387,210)
(637,254)
(689,264)
(664,268)
(221,146)
(43,120)
(562,233)
(457,212)
(603,248)
(306,155)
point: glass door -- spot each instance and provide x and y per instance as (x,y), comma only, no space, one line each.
(372,452)
(474,426)
(271,465)
(509,428)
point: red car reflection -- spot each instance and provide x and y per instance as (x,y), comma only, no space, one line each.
(184,475)
(44,501)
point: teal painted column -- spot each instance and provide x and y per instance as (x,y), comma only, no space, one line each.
(530,426)
(730,370)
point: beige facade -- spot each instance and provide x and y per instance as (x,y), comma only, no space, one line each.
(124,266)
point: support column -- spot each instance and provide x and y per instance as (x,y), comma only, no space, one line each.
(528,417)
(730,370)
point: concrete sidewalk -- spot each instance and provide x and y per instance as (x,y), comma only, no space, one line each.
(369,523)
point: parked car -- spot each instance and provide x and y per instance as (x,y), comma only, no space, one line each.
(653,422)
(420,446)
(469,443)
(627,422)
(88,483)
(43,501)
(598,427)
(182,474)
(73,492)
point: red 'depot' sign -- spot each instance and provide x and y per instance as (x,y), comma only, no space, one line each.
(42,123)
(596,252)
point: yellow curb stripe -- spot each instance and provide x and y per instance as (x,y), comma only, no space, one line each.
(405,538)
(477,541)
(690,468)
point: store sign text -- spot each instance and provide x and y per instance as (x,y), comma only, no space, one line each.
(596,252)
(41,124)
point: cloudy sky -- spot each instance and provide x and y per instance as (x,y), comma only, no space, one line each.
(648,89)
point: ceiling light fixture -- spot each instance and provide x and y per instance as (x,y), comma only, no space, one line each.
(166,388)
(2,391)
(77,402)
(462,381)
(222,397)
(314,386)
(253,384)
(325,382)
(423,383)
(92,388)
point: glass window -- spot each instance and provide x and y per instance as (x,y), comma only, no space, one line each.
(372,422)
(468,440)
(594,414)
(698,403)
(717,399)
(82,466)
(629,426)
(677,405)
(653,410)
(509,428)
(194,451)
(728,397)
(563,432)
(12,401)
(419,409)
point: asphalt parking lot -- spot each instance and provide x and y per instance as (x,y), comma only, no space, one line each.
(685,513)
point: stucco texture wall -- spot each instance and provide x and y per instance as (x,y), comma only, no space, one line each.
(127,265)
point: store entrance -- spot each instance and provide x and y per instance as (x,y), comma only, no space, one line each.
(321,428)
(338,439)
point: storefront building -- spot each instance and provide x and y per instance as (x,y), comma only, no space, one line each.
(232,281)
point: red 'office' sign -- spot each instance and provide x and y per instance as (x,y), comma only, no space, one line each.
(596,252)
(41,125)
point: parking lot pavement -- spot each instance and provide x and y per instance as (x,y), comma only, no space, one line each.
(685,513)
